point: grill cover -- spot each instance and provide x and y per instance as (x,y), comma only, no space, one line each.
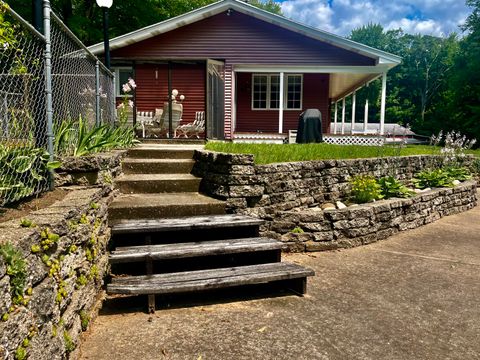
(310,127)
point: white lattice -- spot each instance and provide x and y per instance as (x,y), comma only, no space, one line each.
(354,140)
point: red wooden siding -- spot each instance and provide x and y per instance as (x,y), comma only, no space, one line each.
(315,95)
(241,39)
(188,79)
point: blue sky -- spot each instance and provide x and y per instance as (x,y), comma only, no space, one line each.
(430,17)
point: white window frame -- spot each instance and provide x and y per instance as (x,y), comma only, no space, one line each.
(269,91)
(285,92)
(116,71)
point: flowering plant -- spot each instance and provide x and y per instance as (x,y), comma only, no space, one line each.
(126,104)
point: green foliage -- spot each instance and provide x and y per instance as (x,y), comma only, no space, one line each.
(49,239)
(365,189)
(69,344)
(27,223)
(77,138)
(16,270)
(25,171)
(297,230)
(20,353)
(81,281)
(391,187)
(273,153)
(84,319)
(441,177)
(458,173)
(432,178)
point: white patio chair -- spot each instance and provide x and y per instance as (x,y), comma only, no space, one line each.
(194,128)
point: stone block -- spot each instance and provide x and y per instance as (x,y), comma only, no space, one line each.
(312,246)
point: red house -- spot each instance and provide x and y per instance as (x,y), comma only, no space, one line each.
(249,70)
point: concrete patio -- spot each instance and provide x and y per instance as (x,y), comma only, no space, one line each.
(412,296)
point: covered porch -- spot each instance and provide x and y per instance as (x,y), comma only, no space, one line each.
(266,100)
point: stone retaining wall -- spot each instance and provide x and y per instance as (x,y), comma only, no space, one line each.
(64,279)
(265,191)
(360,225)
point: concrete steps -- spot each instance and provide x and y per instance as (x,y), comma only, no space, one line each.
(157,183)
(157,166)
(167,205)
(168,238)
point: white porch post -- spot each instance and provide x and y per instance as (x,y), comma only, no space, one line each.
(354,104)
(343,116)
(280,106)
(365,118)
(382,107)
(335,119)
(234,103)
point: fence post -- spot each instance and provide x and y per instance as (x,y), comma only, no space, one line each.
(114,101)
(97,93)
(48,83)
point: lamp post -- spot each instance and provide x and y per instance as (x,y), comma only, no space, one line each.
(105,5)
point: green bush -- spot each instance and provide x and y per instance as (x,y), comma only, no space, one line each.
(77,138)
(365,189)
(25,171)
(16,270)
(441,177)
(391,187)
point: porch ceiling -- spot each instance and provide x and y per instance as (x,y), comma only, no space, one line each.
(342,84)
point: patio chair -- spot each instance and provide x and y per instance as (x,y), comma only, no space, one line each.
(177,111)
(192,129)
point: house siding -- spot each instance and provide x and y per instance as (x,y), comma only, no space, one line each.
(188,79)
(315,95)
(241,39)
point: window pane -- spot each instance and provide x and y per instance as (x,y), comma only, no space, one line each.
(123,76)
(274,92)
(294,92)
(259,92)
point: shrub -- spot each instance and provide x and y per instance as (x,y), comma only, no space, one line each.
(365,189)
(391,187)
(25,171)
(16,269)
(441,177)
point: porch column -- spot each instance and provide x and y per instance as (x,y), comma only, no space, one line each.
(382,106)
(335,118)
(280,106)
(343,116)
(365,118)
(354,104)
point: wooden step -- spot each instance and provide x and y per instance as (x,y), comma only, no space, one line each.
(193,249)
(157,166)
(207,279)
(186,223)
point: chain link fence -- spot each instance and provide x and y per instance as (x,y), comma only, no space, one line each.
(82,92)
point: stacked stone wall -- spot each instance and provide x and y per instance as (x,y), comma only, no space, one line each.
(268,191)
(64,247)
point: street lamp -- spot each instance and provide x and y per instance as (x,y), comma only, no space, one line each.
(105,5)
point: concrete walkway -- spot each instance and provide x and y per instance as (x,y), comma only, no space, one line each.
(413,296)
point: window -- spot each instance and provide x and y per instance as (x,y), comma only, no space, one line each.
(294,92)
(122,74)
(266,92)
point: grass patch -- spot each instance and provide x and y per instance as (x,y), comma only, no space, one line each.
(274,153)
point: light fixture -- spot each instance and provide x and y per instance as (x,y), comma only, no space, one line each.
(105,5)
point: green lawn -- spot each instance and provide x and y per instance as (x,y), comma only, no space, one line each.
(273,153)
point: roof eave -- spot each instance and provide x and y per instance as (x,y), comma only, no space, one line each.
(215,8)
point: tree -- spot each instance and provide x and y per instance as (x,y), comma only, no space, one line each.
(84,17)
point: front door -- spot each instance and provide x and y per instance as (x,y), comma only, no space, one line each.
(215,100)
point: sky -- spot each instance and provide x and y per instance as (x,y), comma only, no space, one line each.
(428,17)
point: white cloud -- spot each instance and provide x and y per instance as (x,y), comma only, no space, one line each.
(433,17)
